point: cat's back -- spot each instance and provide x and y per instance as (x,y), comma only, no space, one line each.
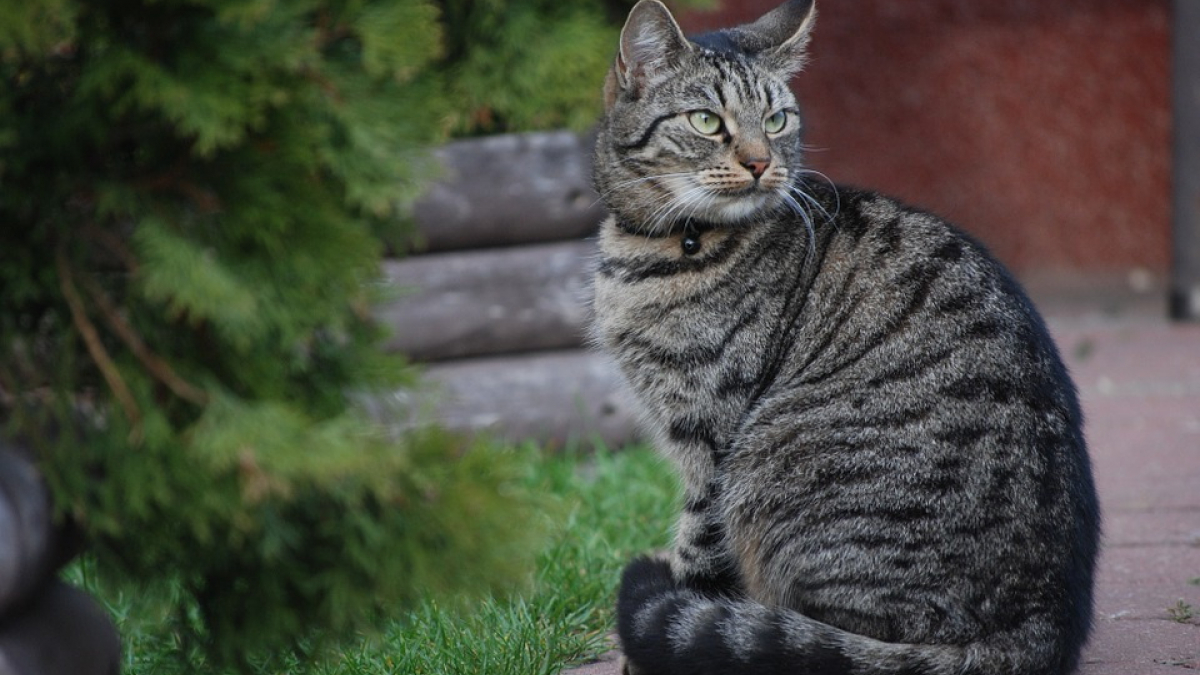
(859,297)
(909,331)
(921,425)
(906,304)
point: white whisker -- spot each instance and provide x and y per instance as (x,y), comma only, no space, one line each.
(679,206)
(660,219)
(832,187)
(796,189)
(808,223)
(634,181)
(806,205)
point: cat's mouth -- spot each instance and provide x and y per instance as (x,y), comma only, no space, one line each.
(749,190)
(729,203)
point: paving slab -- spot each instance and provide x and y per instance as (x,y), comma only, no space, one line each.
(1140,386)
(1139,381)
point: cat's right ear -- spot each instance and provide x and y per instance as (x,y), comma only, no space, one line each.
(783,34)
(651,45)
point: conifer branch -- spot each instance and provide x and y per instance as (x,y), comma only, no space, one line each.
(323,82)
(173,179)
(160,369)
(91,339)
(114,245)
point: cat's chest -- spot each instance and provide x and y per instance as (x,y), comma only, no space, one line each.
(689,328)
(666,292)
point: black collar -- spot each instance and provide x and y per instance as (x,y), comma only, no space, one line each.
(689,227)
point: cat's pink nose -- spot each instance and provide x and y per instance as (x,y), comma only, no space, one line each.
(757,167)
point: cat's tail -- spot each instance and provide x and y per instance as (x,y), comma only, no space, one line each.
(669,630)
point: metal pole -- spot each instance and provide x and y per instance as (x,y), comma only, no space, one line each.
(1185,268)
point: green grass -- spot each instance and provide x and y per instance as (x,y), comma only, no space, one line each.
(603,508)
(1182,612)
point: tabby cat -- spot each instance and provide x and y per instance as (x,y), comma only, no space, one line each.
(881,451)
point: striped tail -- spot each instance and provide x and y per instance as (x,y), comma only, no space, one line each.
(669,630)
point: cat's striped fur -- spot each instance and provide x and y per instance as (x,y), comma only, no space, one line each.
(881,451)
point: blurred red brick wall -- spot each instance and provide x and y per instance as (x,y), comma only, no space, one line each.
(1043,126)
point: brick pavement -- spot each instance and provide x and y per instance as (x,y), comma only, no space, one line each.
(1140,384)
(1139,380)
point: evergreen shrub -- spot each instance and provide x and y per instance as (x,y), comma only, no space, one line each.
(194,199)
(514,65)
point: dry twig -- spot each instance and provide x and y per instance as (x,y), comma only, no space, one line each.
(91,339)
(159,368)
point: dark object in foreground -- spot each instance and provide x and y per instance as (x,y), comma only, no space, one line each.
(63,632)
(46,627)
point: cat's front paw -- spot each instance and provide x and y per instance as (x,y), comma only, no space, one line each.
(627,667)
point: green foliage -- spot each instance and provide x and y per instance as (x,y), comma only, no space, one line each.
(599,511)
(513,65)
(616,506)
(194,197)
(1182,612)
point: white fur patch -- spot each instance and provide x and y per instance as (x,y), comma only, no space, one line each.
(738,209)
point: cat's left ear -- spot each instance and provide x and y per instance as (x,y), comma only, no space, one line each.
(652,44)
(782,35)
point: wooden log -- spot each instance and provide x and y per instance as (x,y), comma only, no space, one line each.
(27,533)
(63,632)
(509,189)
(556,398)
(476,303)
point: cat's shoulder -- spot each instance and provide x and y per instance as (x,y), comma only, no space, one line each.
(891,223)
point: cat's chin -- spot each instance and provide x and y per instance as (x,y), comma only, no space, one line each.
(739,209)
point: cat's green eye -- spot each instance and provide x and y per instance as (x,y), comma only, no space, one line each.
(775,123)
(705,122)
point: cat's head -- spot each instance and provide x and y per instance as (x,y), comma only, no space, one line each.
(702,131)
